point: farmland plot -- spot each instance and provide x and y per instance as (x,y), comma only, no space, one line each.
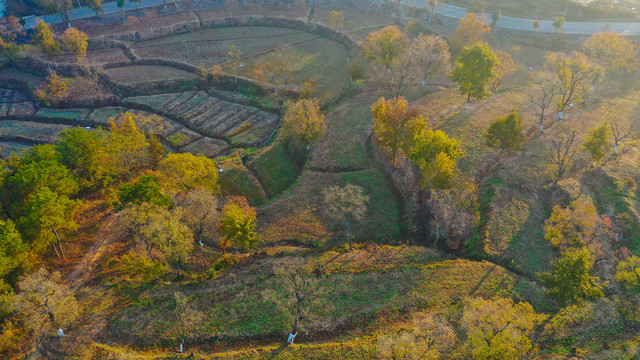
(242,125)
(30,132)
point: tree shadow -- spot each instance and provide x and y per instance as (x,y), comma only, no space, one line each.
(275,352)
(489,272)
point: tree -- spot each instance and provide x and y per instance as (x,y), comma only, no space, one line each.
(432,6)
(431,55)
(145,189)
(613,51)
(619,134)
(563,151)
(96,6)
(238,224)
(429,339)
(277,70)
(506,133)
(187,318)
(577,225)
(496,15)
(55,89)
(121,4)
(185,172)
(10,29)
(304,122)
(385,46)
(471,29)
(628,273)
(158,232)
(536,25)
(497,329)
(558,22)
(346,204)
(571,72)
(394,125)
(86,155)
(401,75)
(569,281)
(505,67)
(474,70)
(128,144)
(43,38)
(43,298)
(543,98)
(435,153)
(75,41)
(336,19)
(597,141)
(200,213)
(57,7)
(14,258)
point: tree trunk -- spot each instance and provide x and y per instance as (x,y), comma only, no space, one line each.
(59,243)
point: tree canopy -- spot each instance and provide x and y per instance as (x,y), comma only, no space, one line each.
(386,45)
(506,133)
(569,281)
(474,70)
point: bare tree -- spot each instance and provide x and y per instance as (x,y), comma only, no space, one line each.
(187,318)
(346,204)
(619,134)
(563,152)
(543,98)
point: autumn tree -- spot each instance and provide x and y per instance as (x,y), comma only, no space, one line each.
(504,68)
(432,6)
(614,52)
(159,233)
(574,226)
(10,29)
(597,141)
(474,70)
(277,70)
(471,29)
(385,46)
(497,329)
(569,281)
(401,75)
(336,19)
(185,172)
(187,317)
(347,204)
(75,41)
(429,339)
(536,25)
(619,134)
(628,273)
(128,144)
(53,90)
(506,133)
(430,54)
(571,71)
(96,6)
(44,300)
(59,7)
(558,22)
(394,125)
(199,213)
(14,258)
(435,153)
(545,93)
(304,122)
(563,151)
(238,224)
(43,38)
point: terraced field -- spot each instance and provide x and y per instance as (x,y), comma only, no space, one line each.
(211,116)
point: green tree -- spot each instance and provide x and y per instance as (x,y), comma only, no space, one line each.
(145,189)
(96,6)
(597,141)
(14,259)
(43,38)
(536,25)
(346,204)
(435,153)
(496,15)
(474,70)
(304,122)
(569,280)
(497,329)
(59,7)
(185,172)
(86,154)
(558,22)
(238,224)
(43,299)
(628,273)
(506,133)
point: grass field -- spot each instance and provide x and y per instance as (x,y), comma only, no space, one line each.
(274,168)
(131,75)
(236,179)
(63,115)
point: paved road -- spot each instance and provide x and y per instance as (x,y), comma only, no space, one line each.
(569,27)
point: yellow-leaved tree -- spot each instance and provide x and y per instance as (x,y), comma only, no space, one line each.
(613,51)
(386,45)
(471,29)
(394,125)
(304,122)
(75,41)
(185,172)
(572,73)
